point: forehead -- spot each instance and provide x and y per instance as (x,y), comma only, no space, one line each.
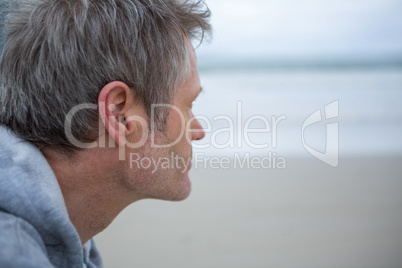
(192,85)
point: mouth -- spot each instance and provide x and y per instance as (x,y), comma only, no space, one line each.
(190,162)
(189,165)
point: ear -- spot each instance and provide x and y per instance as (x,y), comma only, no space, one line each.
(115,101)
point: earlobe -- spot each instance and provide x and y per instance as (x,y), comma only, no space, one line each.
(117,130)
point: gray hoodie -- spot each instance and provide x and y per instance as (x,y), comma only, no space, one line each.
(35,230)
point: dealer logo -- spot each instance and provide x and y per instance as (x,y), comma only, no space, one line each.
(331,154)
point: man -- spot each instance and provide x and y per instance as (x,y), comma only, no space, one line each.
(95,114)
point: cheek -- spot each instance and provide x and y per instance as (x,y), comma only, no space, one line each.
(177,124)
(182,146)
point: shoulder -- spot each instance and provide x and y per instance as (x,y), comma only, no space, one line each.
(20,244)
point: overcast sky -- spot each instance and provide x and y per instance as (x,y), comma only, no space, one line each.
(304,29)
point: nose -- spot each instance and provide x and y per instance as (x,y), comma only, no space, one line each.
(197,131)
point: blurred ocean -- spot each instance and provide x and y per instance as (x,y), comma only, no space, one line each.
(370,110)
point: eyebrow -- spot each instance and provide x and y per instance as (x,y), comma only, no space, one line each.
(200,91)
(194,97)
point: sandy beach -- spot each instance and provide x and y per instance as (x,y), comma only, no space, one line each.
(307,215)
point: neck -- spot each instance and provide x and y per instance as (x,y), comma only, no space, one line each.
(93,192)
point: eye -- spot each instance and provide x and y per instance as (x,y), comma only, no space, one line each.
(191,105)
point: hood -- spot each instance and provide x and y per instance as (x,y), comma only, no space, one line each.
(29,190)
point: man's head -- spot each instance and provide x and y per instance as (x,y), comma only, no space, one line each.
(157,162)
(61,53)
(117,74)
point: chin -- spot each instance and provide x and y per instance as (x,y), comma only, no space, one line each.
(177,188)
(183,189)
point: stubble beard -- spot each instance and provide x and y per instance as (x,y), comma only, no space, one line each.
(161,183)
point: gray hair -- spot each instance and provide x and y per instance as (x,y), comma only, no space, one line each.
(60,53)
